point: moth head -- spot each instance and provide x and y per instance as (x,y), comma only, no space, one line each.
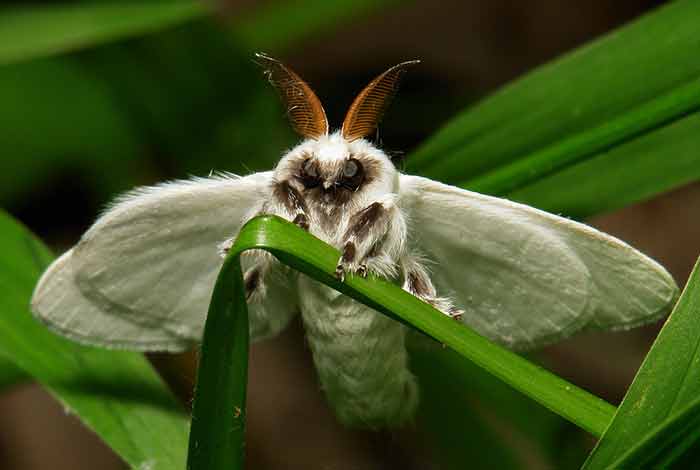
(335,166)
(333,170)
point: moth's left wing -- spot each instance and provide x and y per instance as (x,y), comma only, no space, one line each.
(142,276)
(524,277)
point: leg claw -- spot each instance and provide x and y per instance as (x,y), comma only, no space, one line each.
(302,221)
(456,314)
(343,268)
(225,247)
(340,272)
(362,270)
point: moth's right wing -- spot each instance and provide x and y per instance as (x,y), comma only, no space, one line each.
(527,278)
(141,278)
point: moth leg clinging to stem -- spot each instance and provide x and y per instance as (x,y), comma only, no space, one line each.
(286,202)
(377,229)
(417,281)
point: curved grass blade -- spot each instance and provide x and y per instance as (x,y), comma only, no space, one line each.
(311,256)
(214,415)
(632,81)
(28,32)
(117,394)
(660,405)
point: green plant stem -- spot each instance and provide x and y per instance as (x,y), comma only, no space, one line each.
(218,417)
(217,434)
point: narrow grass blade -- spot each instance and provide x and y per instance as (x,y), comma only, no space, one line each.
(115,393)
(665,444)
(28,32)
(631,172)
(305,253)
(660,406)
(609,92)
(217,436)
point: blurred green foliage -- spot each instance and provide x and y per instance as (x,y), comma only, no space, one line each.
(588,133)
(188,100)
(29,31)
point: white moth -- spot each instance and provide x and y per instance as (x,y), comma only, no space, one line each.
(142,276)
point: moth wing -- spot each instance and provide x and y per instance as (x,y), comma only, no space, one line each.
(142,276)
(524,277)
(59,304)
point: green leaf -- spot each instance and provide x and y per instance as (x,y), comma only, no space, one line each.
(305,253)
(667,444)
(28,32)
(639,169)
(610,92)
(117,394)
(660,413)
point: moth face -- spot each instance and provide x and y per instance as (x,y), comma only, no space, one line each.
(333,171)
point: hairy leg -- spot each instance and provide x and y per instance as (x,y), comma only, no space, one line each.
(417,282)
(286,201)
(378,231)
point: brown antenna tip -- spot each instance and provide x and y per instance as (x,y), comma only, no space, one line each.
(369,106)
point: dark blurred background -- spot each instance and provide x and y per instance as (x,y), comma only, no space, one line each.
(186,101)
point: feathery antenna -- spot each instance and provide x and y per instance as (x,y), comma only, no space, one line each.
(304,109)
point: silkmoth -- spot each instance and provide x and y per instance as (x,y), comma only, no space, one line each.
(141,277)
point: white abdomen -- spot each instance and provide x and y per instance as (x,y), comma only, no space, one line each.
(360,357)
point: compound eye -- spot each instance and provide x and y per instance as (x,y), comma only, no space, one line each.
(309,168)
(351,168)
